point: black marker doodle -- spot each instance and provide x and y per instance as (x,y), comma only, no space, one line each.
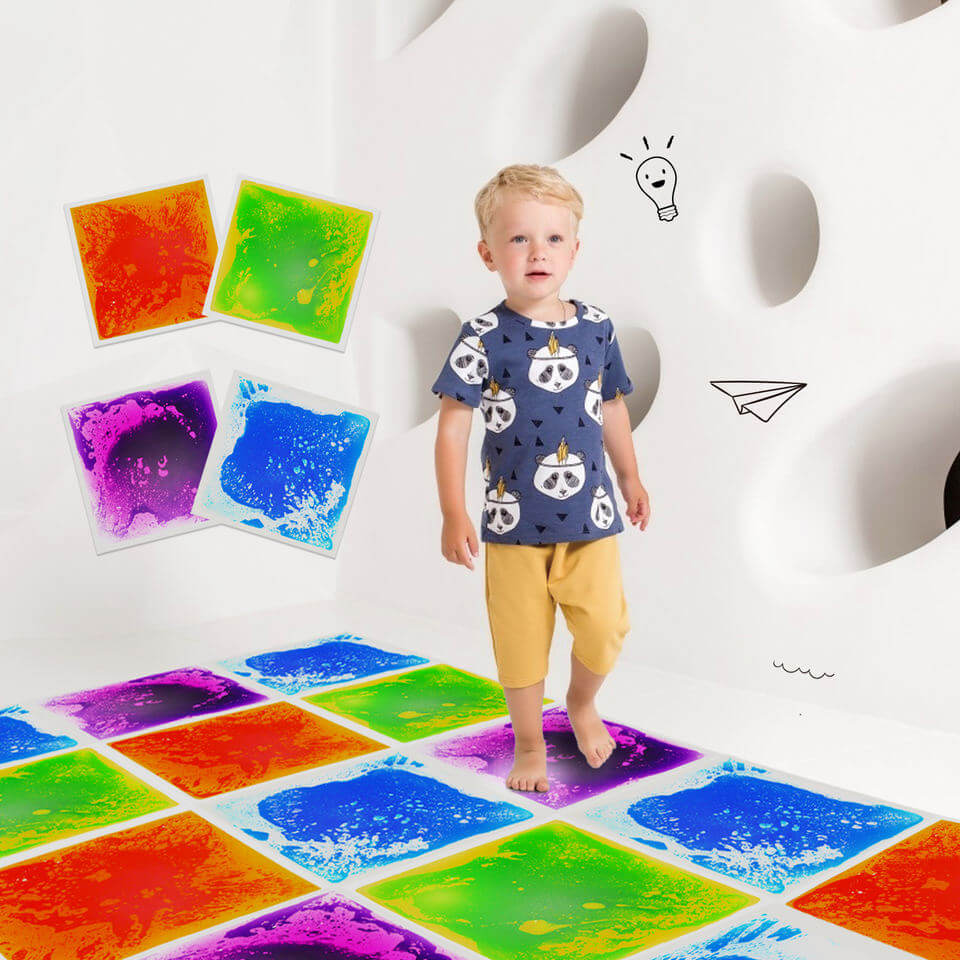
(657,178)
(762,398)
(806,671)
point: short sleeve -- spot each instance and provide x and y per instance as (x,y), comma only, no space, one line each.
(615,381)
(466,370)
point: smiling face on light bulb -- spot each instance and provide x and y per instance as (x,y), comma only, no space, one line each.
(657,178)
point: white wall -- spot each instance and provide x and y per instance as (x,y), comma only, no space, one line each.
(817,133)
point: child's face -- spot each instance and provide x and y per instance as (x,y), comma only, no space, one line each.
(531,244)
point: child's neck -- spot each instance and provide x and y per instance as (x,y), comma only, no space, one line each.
(544,308)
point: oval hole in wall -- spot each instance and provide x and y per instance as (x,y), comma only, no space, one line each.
(409,353)
(760,242)
(642,361)
(567,87)
(399,22)
(882,13)
(869,488)
(784,236)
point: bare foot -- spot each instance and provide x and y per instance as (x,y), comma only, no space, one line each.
(529,771)
(594,741)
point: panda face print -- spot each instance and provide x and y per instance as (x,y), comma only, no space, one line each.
(555,324)
(469,360)
(498,408)
(560,480)
(594,314)
(485,322)
(502,509)
(593,401)
(601,509)
(553,372)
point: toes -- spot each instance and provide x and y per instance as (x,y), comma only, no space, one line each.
(542,786)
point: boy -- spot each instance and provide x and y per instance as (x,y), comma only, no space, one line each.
(549,378)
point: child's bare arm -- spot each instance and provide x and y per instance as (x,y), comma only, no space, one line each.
(618,442)
(458,539)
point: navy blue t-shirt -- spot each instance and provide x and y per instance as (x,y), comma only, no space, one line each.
(540,386)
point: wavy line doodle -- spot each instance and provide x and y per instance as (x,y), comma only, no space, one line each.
(802,670)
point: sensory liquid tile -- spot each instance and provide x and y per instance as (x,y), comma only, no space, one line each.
(636,755)
(285,464)
(742,822)
(24,735)
(417,704)
(146,259)
(330,660)
(291,262)
(238,749)
(160,698)
(131,890)
(556,891)
(764,937)
(364,815)
(325,927)
(908,895)
(139,457)
(70,793)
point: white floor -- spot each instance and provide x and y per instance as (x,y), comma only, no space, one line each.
(893,762)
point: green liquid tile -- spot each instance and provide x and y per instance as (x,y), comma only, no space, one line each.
(556,891)
(419,703)
(291,261)
(68,794)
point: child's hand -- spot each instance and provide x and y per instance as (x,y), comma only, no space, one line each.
(458,540)
(637,501)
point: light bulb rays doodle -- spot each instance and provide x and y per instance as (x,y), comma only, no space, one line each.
(656,177)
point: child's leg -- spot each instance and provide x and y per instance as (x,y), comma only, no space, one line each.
(594,741)
(522,615)
(586,581)
(529,770)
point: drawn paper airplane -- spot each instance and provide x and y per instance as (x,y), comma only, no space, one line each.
(762,398)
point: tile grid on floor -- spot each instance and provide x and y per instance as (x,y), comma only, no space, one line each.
(479,785)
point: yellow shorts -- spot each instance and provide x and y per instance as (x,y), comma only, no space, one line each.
(523,586)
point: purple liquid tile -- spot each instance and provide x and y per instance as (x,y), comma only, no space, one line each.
(142,455)
(327,927)
(151,701)
(572,779)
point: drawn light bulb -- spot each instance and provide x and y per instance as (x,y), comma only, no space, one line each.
(657,178)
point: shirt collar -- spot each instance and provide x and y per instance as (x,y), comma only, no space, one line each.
(503,310)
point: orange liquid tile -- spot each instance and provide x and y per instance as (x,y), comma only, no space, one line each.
(907,895)
(135,889)
(235,750)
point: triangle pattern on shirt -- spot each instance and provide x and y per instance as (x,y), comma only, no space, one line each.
(539,443)
(536,423)
(506,339)
(599,339)
(516,442)
(527,335)
(558,409)
(540,527)
(562,516)
(586,529)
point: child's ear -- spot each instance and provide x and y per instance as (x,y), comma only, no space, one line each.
(485,254)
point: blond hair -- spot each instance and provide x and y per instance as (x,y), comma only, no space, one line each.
(528,179)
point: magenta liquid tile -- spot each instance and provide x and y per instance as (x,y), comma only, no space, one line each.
(140,457)
(151,701)
(636,755)
(327,927)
